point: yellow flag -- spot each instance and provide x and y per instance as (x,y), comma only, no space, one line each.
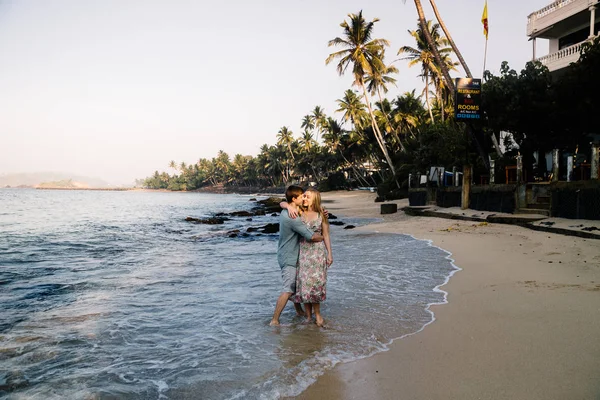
(484,20)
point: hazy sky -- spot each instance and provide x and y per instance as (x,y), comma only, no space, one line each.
(116,89)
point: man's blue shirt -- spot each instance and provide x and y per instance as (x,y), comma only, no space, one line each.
(290,230)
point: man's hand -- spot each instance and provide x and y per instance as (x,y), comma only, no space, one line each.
(317,237)
(292,211)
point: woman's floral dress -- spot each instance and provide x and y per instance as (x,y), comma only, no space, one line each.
(311,275)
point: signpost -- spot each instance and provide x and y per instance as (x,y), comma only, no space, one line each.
(467,107)
(467,104)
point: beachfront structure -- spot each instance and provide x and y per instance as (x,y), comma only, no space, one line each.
(567,24)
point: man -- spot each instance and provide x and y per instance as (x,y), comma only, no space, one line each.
(288,250)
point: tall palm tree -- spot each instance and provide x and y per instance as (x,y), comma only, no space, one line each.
(320,120)
(430,41)
(285,137)
(452,44)
(422,55)
(364,54)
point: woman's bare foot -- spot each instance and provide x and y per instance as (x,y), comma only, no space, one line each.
(274,323)
(320,321)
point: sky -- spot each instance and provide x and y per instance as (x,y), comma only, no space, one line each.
(115,89)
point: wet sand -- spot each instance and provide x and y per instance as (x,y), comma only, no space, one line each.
(522,319)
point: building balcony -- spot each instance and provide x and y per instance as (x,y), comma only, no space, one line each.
(562,58)
(551,20)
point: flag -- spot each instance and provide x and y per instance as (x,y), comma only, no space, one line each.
(484,20)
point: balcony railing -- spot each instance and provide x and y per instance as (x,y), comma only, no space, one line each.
(562,58)
(555,12)
(548,9)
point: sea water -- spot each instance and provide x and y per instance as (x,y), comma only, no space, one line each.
(107,295)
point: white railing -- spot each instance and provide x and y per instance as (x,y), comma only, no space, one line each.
(571,52)
(548,10)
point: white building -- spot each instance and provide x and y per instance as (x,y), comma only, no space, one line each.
(567,24)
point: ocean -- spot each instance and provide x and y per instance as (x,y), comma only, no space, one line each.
(113,295)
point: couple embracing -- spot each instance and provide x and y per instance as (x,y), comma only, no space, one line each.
(304,253)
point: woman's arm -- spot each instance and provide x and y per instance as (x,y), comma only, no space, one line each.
(325,229)
(291,208)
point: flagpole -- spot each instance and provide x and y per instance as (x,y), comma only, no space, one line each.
(484,58)
(484,21)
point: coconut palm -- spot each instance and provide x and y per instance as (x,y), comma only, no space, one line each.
(308,122)
(422,55)
(364,54)
(377,82)
(408,112)
(173,165)
(285,137)
(320,120)
(353,109)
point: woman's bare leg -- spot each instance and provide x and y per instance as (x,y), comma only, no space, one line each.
(318,317)
(308,311)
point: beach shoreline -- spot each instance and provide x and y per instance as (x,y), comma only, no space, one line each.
(521,322)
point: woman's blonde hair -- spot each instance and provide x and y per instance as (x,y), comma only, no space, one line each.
(317,204)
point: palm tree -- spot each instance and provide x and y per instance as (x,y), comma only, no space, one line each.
(423,55)
(320,120)
(431,43)
(377,81)
(173,164)
(452,44)
(353,109)
(364,54)
(408,112)
(307,142)
(308,122)
(285,137)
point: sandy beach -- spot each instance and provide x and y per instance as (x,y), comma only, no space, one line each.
(522,319)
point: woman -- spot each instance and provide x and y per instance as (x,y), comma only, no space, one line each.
(315,257)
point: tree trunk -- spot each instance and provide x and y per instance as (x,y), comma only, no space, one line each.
(447,33)
(377,132)
(434,49)
(427,98)
(441,96)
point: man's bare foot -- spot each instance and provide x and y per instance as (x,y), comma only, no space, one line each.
(274,323)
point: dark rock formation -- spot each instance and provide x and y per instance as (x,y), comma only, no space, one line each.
(208,221)
(270,228)
(349,227)
(340,223)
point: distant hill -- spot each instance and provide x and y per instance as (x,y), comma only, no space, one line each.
(64,184)
(37,178)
